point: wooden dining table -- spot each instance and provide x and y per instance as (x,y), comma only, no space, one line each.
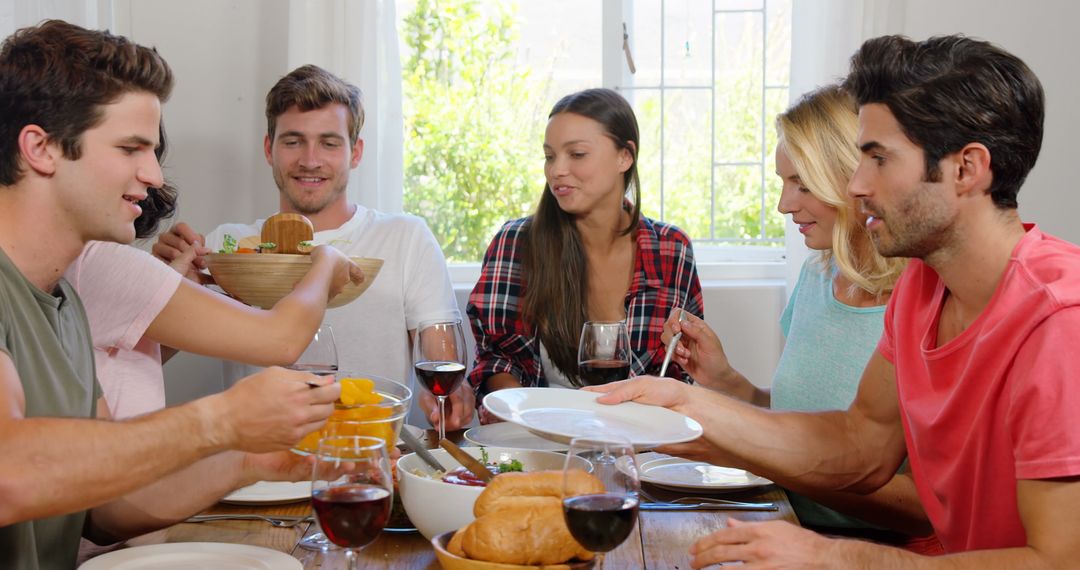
(661,539)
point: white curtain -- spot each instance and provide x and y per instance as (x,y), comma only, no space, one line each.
(824,36)
(358,41)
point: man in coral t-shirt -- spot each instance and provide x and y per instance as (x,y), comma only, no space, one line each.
(973,378)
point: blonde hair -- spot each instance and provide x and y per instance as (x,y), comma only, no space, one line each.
(819,135)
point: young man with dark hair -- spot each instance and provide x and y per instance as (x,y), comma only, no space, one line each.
(312,143)
(974,379)
(79,124)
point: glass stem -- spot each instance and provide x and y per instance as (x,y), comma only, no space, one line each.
(442,417)
(351,559)
(599,561)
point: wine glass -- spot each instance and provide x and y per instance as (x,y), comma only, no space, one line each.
(439,360)
(603,353)
(383,420)
(320,356)
(351,491)
(602,521)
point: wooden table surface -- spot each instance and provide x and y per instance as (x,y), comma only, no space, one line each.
(660,539)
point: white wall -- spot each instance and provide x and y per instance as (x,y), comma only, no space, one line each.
(227,54)
(1043,34)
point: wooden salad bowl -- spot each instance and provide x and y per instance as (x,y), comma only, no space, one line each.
(262,279)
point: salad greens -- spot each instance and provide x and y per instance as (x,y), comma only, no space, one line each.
(228,244)
(512,465)
(505,466)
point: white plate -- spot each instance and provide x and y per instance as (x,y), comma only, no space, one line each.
(187,555)
(506,434)
(561,415)
(681,474)
(270,493)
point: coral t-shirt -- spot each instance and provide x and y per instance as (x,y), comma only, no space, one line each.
(996,404)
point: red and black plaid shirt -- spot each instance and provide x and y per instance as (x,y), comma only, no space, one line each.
(665,277)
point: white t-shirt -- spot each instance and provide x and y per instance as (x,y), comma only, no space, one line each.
(412,287)
(124,289)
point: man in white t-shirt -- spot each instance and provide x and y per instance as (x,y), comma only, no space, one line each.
(312,144)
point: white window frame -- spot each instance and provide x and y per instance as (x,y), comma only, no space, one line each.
(714,261)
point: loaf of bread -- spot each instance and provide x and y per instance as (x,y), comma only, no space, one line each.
(535,484)
(530,535)
(519,520)
(454,546)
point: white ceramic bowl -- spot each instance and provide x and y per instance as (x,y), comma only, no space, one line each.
(436,507)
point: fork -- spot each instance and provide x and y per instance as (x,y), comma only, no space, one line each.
(283,521)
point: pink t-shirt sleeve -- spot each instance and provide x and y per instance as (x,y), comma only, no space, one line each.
(123,289)
(885,345)
(1044,396)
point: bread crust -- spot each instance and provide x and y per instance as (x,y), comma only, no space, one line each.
(531,535)
(535,484)
(519,520)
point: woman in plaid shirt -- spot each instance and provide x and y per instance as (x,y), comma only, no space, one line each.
(586,254)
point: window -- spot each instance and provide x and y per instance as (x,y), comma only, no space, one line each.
(480,76)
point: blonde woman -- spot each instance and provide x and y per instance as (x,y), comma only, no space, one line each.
(833,320)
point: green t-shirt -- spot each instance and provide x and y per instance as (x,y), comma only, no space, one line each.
(828,345)
(47,336)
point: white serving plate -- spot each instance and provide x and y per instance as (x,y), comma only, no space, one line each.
(187,555)
(561,415)
(680,474)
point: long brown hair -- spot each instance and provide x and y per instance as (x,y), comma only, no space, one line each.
(554,259)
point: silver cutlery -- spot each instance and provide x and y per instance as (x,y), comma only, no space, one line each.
(413,443)
(672,344)
(280,521)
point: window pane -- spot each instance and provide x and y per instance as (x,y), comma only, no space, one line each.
(646,103)
(739,4)
(478,81)
(687,173)
(563,54)
(643,24)
(687,43)
(480,76)
(778,56)
(738,87)
(776,101)
(738,202)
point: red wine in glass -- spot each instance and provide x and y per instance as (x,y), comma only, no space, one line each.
(352,515)
(596,372)
(600,522)
(440,377)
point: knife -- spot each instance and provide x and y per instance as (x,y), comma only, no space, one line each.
(708,507)
(414,444)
